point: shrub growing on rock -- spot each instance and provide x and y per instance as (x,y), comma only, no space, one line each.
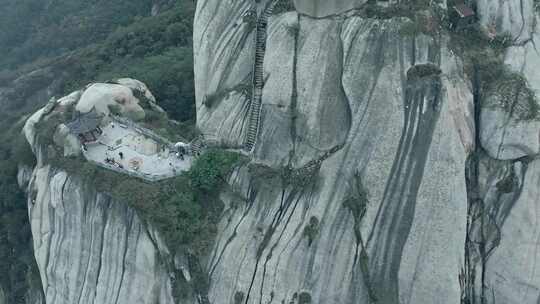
(311,230)
(304,297)
(423,70)
(210,169)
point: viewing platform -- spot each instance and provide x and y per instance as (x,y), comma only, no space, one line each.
(125,147)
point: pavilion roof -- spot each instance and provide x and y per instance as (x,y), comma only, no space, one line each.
(85,122)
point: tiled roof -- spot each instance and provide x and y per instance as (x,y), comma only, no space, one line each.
(85,122)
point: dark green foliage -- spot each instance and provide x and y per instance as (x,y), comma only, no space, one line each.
(152,117)
(114,109)
(239,297)
(357,202)
(46,128)
(474,41)
(311,230)
(68,114)
(507,184)
(496,85)
(304,297)
(144,101)
(210,169)
(33,28)
(17,266)
(299,178)
(512,93)
(501,87)
(284,6)
(423,70)
(6,76)
(156,50)
(250,19)
(22,152)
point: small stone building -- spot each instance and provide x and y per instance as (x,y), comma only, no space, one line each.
(462,16)
(86,126)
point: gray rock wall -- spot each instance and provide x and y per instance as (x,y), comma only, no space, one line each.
(515,17)
(503,135)
(512,271)
(90,249)
(340,83)
(509,268)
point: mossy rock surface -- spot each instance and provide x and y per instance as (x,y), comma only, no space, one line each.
(304,297)
(511,92)
(311,230)
(423,70)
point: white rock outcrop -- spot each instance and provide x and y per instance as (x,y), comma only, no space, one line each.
(88,247)
(118,94)
(505,137)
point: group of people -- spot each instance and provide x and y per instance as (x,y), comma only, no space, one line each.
(112,161)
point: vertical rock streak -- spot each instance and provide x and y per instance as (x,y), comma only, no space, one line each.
(395,215)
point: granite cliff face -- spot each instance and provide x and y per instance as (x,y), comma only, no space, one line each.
(403,183)
(383,169)
(90,248)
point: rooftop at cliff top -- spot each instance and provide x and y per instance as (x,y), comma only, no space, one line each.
(115,126)
(125,149)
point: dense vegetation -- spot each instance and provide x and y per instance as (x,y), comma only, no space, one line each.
(33,29)
(16,260)
(156,50)
(495,85)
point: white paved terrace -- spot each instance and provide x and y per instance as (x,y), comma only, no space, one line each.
(142,156)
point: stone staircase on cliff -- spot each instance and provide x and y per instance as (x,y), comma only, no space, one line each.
(258,79)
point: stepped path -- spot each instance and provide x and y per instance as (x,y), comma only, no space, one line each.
(258,79)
